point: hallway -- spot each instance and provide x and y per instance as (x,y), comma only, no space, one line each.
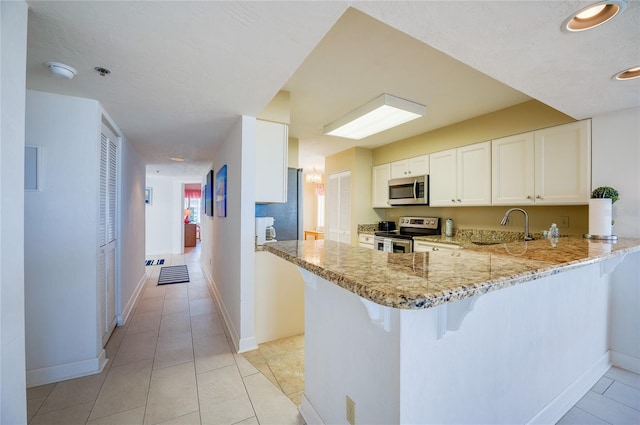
(170,364)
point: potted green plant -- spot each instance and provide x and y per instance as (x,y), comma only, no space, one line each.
(605,192)
(600,211)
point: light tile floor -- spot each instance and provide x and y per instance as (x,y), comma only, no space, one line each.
(170,364)
(614,399)
(282,362)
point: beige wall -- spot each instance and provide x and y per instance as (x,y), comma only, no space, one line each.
(278,109)
(521,118)
(358,161)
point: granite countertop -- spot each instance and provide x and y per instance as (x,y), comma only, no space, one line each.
(427,279)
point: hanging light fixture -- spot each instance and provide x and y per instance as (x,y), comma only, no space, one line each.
(382,113)
(313,177)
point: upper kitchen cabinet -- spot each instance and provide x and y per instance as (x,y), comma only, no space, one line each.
(461,176)
(544,167)
(417,166)
(563,164)
(380,185)
(271,161)
(512,179)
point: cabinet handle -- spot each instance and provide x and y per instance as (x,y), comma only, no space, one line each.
(538,197)
(453,200)
(435,248)
(459,200)
(528,196)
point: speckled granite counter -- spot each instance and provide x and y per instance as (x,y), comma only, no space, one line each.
(427,279)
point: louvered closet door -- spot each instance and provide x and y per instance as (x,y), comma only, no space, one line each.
(107,233)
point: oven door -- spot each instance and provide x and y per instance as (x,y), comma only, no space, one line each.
(409,191)
(398,246)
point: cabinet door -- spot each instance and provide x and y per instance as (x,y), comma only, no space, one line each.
(442,178)
(399,169)
(562,164)
(418,166)
(512,181)
(380,195)
(474,174)
(271,161)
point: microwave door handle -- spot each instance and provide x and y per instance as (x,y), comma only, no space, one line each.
(415,189)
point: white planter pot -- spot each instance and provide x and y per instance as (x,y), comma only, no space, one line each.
(600,217)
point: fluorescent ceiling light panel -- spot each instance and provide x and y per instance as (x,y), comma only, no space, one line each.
(382,113)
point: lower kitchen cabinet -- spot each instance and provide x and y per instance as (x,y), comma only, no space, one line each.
(365,241)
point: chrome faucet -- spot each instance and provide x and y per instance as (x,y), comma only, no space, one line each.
(527,236)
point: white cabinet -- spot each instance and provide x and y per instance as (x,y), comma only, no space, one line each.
(512,181)
(380,186)
(563,164)
(271,161)
(461,177)
(416,166)
(339,207)
(365,240)
(544,167)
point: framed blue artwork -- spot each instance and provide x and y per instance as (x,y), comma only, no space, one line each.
(208,202)
(221,191)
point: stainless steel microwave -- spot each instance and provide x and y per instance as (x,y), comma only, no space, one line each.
(409,191)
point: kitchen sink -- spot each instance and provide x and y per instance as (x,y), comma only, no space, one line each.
(486,242)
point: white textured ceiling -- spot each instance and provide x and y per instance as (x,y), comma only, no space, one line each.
(182,72)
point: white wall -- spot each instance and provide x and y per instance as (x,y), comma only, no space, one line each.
(616,155)
(228,246)
(132,224)
(61,234)
(13,47)
(63,338)
(164,226)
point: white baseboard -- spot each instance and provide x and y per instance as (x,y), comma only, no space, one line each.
(241,345)
(559,406)
(625,361)
(128,309)
(62,372)
(309,413)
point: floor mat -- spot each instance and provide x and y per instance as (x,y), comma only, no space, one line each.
(173,274)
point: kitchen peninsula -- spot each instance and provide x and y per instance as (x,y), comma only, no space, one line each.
(505,333)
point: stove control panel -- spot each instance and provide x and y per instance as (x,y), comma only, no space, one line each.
(420,222)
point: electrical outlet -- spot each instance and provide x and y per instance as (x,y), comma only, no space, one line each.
(351,411)
(564,221)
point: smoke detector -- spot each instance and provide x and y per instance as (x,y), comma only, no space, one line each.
(61,70)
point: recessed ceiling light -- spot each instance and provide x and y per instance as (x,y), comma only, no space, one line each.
(593,15)
(176,158)
(628,74)
(61,70)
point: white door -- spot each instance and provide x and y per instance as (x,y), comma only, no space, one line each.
(107,233)
(339,207)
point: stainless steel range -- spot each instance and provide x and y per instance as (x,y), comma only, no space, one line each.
(401,240)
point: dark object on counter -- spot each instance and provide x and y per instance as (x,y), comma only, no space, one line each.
(387,226)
